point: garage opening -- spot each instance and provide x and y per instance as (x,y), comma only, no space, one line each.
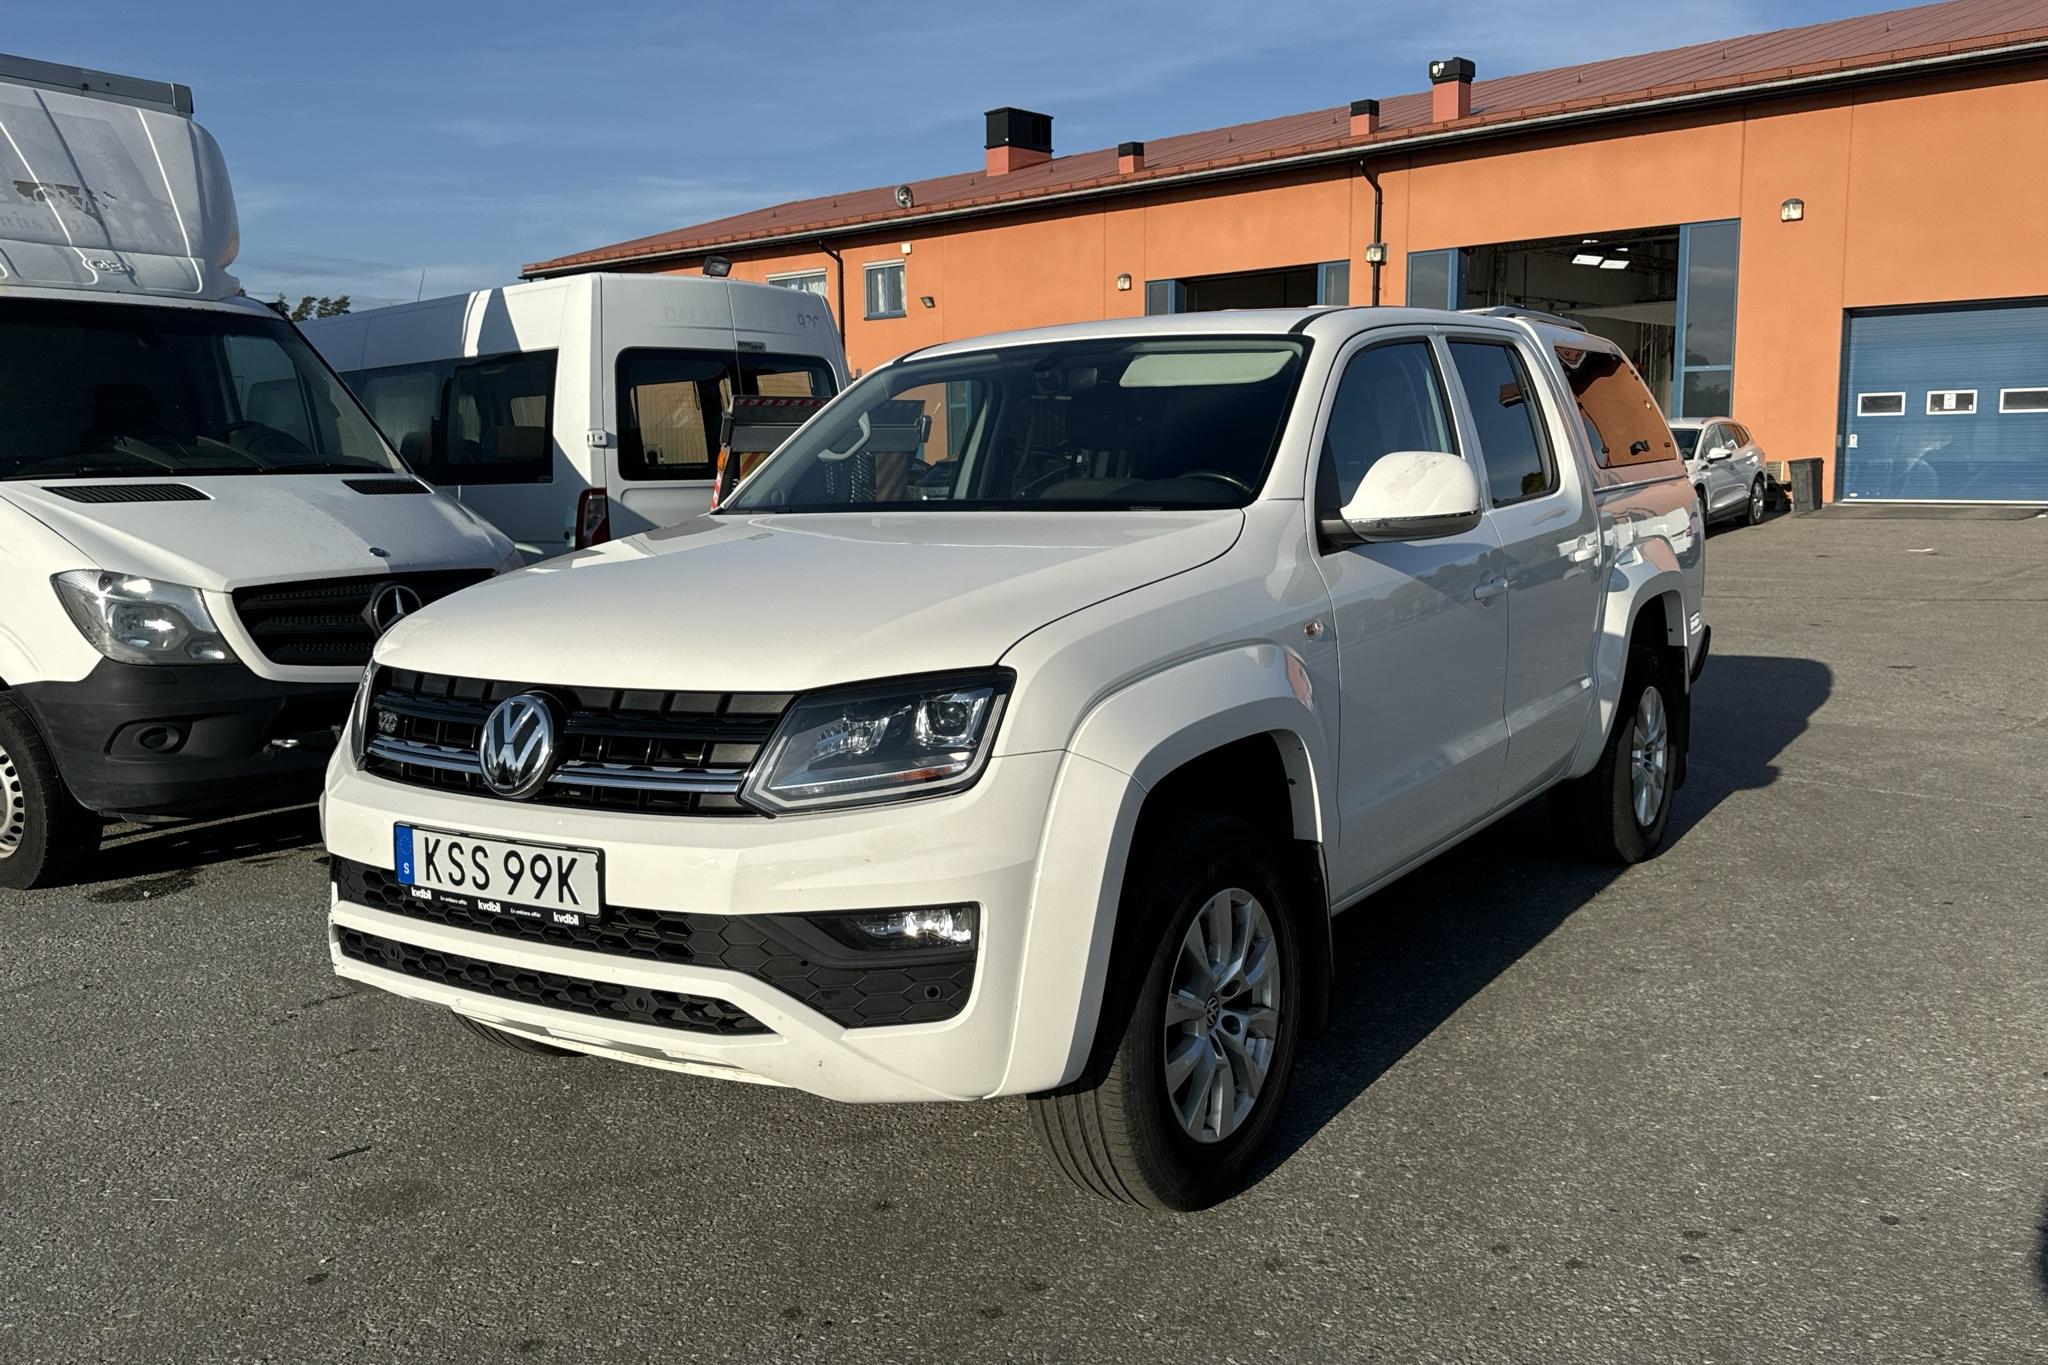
(1296,286)
(1641,289)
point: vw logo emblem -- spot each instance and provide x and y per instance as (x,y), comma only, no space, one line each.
(389,605)
(517,747)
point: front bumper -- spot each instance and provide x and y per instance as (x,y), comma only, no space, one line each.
(163,739)
(981,846)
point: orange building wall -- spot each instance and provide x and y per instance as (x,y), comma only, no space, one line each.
(1915,193)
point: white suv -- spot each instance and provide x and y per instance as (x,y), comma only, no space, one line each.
(1020,724)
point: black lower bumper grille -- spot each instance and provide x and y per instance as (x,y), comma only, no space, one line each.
(916,986)
(329,622)
(603,999)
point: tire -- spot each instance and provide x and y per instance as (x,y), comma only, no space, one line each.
(517,1042)
(1602,807)
(1119,1132)
(45,835)
(1706,516)
(1755,510)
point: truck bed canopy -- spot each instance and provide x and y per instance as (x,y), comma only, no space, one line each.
(107,184)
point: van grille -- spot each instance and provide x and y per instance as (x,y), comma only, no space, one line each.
(662,752)
(326,623)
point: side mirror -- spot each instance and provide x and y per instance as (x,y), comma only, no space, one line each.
(1414,495)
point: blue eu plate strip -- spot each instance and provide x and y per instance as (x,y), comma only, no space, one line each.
(401,840)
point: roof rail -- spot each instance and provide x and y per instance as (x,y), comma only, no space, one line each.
(79,80)
(1508,310)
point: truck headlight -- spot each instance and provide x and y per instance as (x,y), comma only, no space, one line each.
(853,746)
(142,620)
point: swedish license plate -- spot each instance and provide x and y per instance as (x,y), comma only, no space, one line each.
(499,876)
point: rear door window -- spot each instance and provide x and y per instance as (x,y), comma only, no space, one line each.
(1512,441)
(670,406)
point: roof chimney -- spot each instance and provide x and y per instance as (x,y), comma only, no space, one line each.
(1450,89)
(1365,117)
(1130,156)
(1017,138)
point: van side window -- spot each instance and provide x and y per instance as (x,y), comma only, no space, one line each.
(1617,409)
(1391,398)
(786,376)
(498,427)
(670,407)
(1512,440)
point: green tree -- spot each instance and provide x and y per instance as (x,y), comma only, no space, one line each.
(310,307)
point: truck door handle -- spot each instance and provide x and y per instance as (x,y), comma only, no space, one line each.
(1585,551)
(1492,587)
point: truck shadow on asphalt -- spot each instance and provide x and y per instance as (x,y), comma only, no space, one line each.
(138,862)
(1410,957)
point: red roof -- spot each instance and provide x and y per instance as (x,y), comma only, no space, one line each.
(1957,29)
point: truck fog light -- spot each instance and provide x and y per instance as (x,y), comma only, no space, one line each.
(928,926)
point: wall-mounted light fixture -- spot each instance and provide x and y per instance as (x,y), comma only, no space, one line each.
(1792,210)
(1375,253)
(926,300)
(717,267)
(1123,282)
(904,248)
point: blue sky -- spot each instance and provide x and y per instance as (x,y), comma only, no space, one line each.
(373,141)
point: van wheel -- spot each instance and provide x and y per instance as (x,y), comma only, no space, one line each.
(45,835)
(517,1042)
(1620,810)
(1176,1114)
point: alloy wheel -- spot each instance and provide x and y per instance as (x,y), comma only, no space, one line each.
(1222,1015)
(13,806)
(1649,757)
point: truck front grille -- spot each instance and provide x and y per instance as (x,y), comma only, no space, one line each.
(327,623)
(664,752)
(604,999)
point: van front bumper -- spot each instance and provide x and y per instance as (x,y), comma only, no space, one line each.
(700,963)
(163,739)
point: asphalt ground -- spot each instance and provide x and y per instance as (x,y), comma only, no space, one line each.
(1780,1095)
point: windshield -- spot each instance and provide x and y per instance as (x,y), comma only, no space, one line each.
(1070,425)
(1688,439)
(91,389)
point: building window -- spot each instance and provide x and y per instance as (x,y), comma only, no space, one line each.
(2023,400)
(1704,376)
(810,281)
(1165,296)
(1436,279)
(1951,402)
(885,289)
(1333,282)
(1880,405)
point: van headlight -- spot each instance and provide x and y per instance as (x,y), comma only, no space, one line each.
(854,746)
(142,620)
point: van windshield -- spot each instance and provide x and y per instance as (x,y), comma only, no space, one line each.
(1113,424)
(92,389)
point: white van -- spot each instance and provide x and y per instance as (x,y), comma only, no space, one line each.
(201,533)
(568,411)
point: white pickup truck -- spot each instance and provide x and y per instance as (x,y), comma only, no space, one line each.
(1019,726)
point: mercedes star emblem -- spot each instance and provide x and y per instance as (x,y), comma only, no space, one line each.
(517,747)
(389,605)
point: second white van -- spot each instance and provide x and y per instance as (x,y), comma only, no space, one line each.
(569,411)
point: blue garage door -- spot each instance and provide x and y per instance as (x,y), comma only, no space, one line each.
(1948,404)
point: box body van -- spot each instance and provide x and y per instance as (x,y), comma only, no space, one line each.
(566,411)
(202,533)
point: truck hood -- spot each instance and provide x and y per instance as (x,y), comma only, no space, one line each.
(262,528)
(784,603)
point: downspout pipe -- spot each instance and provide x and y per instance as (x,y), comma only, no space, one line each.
(838,290)
(1379,204)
